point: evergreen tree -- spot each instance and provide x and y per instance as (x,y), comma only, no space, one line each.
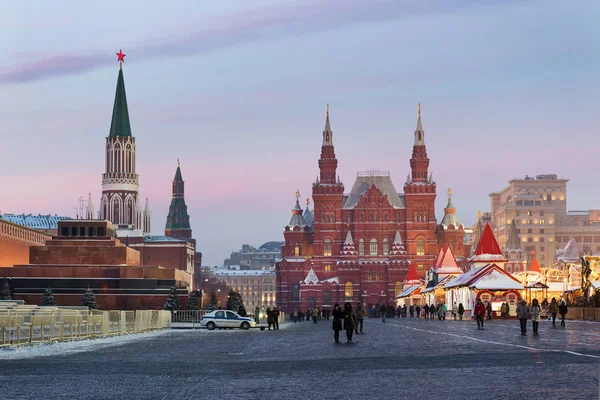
(214,301)
(5,291)
(48,299)
(234,301)
(89,299)
(172,303)
(193,303)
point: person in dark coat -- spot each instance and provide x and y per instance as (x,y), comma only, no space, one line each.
(349,321)
(418,310)
(562,310)
(269,317)
(461,311)
(275,314)
(338,315)
(426,308)
(256,315)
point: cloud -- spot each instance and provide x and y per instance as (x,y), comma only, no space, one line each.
(311,16)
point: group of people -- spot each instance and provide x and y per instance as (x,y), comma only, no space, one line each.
(349,319)
(317,314)
(534,312)
(273,318)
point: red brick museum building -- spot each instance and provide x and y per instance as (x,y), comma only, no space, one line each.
(357,246)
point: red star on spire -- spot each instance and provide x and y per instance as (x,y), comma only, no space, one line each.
(121,56)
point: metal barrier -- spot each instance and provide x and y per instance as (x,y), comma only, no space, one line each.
(29,325)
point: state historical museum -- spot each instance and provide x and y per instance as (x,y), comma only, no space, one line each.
(357,246)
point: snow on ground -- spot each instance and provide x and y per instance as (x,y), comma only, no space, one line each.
(64,348)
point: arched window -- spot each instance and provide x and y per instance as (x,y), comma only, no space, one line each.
(398,288)
(361,247)
(327,247)
(349,291)
(373,247)
(297,250)
(420,247)
(386,250)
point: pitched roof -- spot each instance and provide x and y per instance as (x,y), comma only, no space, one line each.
(311,277)
(447,264)
(419,133)
(476,236)
(535,267)
(327,133)
(490,277)
(119,125)
(308,216)
(513,242)
(450,215)
(297,218)
(383,182)
(488,244)
(410,291)
(412,278)
(571,252)
(34,221)
(178,177)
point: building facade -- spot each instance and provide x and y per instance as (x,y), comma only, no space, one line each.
(357,245)
(257,287)
(249,257)
(539,207)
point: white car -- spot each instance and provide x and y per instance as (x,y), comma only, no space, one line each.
(226,319)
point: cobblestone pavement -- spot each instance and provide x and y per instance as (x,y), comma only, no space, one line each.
(403,358)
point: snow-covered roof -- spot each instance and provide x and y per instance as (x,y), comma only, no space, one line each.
(496,280)
(571,252)
(311,277)
(440,284)
(162,238)
(408,291)
(447,263)
(596,284)
(35,221)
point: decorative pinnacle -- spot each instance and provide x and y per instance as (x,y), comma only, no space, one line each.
(297,195)
(327,110)
(121,58)
(419,110)
(178,165)
(449,192)
(478,215)
(307,201)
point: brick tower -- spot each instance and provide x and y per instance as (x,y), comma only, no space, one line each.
(420,193)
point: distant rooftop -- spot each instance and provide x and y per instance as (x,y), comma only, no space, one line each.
(578,213)
(35,221)
(542,177)
(162,238)
(244,272)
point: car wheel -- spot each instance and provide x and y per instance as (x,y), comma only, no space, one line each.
(245,326)
(210,326)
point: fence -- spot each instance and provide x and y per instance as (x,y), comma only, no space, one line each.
(26,325)
(584,313)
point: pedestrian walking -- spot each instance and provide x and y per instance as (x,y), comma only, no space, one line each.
(562,310)
(411,310)
(275,313)
(426,311)
(461,311)
(523,314)
(315,315)
(349,321)
(479,314)
(308,315)
(295,316)
(488,308)
(432,311)
(337,322)
(359,313)
(418,310)
(383,310)
(269,317)
(257,315)
(536,313)
(553,308)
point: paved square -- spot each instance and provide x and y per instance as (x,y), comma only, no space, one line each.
(403,358)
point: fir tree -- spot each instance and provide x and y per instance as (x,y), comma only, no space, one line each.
(48,299)
(193,303)
(172,303)
(5,290)
(214,301)
(234,301)
(89,299)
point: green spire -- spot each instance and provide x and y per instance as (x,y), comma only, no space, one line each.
(178,177)
(120,117)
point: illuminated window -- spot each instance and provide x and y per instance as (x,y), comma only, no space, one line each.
(377,277)
(398,288)
(361,247)
(529,213)
(327,268)
(349,291)
(327,247)
(373,247)
(542,222)
(420,267)
(386,250)
(370,276)
(297,250)
(420,246)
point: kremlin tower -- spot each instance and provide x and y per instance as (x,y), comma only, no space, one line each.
(120,202)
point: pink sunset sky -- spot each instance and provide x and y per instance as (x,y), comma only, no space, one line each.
(237,91)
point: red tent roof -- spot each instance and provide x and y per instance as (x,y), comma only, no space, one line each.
(535,267)
(411,276)
(488,244)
